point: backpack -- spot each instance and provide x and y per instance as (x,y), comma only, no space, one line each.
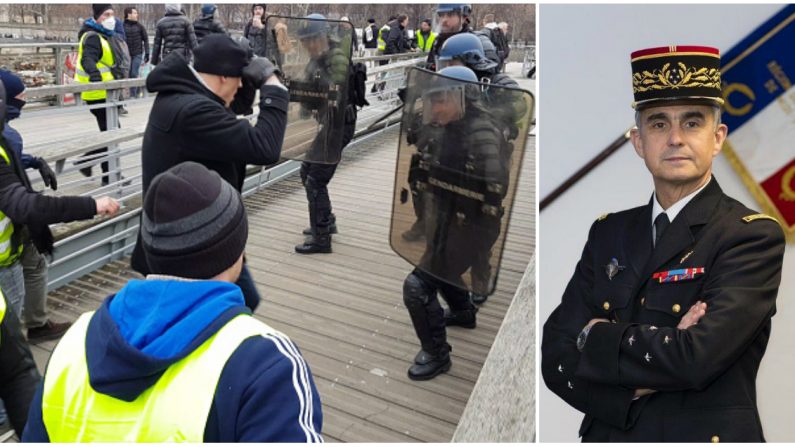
(496,38)
(121,55)
(356,85)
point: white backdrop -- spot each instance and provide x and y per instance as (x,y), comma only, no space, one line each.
(585,96)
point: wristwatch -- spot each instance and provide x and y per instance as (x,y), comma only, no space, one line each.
(583,337)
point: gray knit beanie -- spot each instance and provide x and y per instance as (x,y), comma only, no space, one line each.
(194,224)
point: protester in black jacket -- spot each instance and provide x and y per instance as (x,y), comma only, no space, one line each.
(194,119)
(255,30)
(396,41)
(137,43)
(207,24)
(174,32)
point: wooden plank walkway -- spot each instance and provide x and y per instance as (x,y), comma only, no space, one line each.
(345,310)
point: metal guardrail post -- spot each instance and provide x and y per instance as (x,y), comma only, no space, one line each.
(59,73)
(112,117)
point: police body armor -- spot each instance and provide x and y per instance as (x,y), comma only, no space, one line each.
(459,165)
(316,74)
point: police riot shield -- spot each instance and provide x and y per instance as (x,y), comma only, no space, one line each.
(459,157)
(314,54)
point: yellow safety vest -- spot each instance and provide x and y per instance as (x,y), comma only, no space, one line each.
(2,311)
(425,46)
(8,255)
(174,409)
(381,41)
(103,65)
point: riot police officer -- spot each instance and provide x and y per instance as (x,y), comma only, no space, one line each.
(329,64)
(467,49)
(452,19)
(457,134)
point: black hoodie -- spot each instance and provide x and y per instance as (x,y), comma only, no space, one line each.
(188,122)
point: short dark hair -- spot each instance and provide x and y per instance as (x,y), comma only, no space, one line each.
(128,11)
(402,17)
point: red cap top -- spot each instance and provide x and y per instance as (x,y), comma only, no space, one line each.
(675,49)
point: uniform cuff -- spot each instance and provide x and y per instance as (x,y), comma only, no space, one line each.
(274,96)
(599,359)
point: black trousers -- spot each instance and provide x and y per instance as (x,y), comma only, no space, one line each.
(420,295)
(315,178)
(18,374)
(102,120)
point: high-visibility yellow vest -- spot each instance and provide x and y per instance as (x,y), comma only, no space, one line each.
(174,409)
(381,41)
(8,254)
(424,45)
(2,311)
(103,65)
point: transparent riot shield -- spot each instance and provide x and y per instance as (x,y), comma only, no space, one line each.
(459,157)
(315,57)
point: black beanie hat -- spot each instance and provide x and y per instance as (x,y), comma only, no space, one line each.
(100,8)
(219,54)
(194,224)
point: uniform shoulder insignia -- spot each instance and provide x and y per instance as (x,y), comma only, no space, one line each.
(752,217)
(602,217)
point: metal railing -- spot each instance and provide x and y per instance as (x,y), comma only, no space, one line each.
(82,247)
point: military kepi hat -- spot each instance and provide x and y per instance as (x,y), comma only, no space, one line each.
(681,74)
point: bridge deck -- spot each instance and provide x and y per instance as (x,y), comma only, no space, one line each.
(345,309)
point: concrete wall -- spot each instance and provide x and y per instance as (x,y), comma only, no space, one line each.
(585,96)
(501,407)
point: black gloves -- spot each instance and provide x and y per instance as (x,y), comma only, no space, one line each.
(243,103)
(258,71)
(47,174)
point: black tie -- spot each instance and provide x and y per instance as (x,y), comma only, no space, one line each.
(660,224)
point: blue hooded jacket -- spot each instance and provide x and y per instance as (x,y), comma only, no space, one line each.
(150,324)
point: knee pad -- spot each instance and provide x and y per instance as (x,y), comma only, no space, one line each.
(416,292)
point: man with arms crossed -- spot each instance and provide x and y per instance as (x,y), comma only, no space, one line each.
(663,325)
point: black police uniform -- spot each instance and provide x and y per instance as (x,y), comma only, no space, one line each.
(461,233)
(316,176)
(704,375)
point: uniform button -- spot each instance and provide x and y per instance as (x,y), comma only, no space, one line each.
(643,301)
(606,305)
(715,439)
(268,101)
(676,308)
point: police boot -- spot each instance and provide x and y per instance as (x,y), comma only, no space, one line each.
(415,233)
(332,228)
(432,366)
(461,318)
(319,243)
(427,317)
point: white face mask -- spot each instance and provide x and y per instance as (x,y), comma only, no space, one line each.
(109,23)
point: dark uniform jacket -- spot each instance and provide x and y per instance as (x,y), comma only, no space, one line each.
(188,122)
(174,32)
(704,375)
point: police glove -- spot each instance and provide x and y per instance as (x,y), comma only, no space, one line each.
(47,174)
(259,70)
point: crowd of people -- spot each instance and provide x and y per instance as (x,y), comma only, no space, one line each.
(186,331)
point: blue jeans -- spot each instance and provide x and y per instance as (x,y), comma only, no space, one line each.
(246,284)
(12,283)
(135,67)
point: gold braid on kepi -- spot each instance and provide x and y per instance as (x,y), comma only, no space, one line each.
(682,74)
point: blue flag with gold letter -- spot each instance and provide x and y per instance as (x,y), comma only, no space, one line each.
(758,75)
